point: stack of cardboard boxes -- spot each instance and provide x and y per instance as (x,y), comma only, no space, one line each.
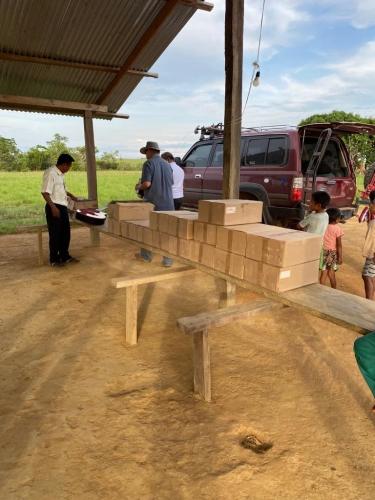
(227,235)
(126,211)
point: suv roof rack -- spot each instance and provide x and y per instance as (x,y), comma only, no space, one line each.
(214,131)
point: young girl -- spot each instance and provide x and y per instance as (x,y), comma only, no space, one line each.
(368,272)
(332,248)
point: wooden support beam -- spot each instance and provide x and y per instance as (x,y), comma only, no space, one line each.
(234,19)
(227,293)
(202,365)
(131,314)
(199,4)
(36,103)
(92,187)
(168,274)
(154,27)
(48,61)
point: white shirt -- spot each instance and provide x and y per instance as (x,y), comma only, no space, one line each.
(54,185)
(178,181)
(316,223)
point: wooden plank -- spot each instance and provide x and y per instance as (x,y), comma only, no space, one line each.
(32,229)
(48,61)
(341,308)
(202,369)
(199,4)
(147,36)
(131,314)
(152,278)
(39,236)
(234,19)
(55,104)
(192,324)
(299,298)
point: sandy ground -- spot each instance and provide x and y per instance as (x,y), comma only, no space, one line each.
(82,416)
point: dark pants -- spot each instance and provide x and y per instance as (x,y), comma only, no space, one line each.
(59,234)
(178,203)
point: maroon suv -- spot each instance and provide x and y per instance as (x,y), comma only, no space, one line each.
(280,166)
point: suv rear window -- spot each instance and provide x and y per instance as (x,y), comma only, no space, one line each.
(265,151)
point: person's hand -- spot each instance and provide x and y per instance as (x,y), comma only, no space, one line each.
(74,198)
(55,211)
(339,261)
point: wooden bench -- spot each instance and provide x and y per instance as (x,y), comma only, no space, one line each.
(198,326)
(38,229)
(131,284)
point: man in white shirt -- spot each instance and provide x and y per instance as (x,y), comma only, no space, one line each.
(178,180)
(56,196)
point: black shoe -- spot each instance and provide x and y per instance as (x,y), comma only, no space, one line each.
(71,260)
(57,264)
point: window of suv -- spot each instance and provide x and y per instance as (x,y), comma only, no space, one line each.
(218,157)
(198,158)
(265,151)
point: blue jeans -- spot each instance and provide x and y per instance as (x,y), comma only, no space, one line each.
(147,255)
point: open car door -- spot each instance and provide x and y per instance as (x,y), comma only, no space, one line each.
(327,140)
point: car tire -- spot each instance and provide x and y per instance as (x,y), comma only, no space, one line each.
(369,173)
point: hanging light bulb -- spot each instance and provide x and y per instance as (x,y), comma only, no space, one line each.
(256,80)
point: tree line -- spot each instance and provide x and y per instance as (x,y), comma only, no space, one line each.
(12,159)
(39,157)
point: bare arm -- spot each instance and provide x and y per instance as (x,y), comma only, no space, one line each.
(55,211)
(339,249)
(74,198)
(144,185)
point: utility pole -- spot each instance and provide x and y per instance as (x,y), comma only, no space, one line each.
(234,21)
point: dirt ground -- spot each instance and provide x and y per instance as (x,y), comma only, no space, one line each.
(82,416)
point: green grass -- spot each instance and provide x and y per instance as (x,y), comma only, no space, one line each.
(22,204)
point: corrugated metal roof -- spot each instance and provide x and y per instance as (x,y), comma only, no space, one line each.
(87,31)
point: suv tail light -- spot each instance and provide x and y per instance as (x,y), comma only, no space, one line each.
(297,189)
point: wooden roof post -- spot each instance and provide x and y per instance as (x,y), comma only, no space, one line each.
(234,20)
(91,166)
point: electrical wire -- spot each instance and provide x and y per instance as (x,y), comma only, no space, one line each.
(256,63)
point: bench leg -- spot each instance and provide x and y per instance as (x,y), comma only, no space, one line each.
(202,370)
(227,296)
(95,238)
(131,313)
(40,247)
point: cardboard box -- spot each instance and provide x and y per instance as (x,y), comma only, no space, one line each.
(230,212)
(173,245)
(185,228)
(124,229)
(113,226)
(281,279)
(154,221)
(189,249)
(81,203)
(256,237)
(236,265)
(175,218)
(130,211)
(210,236)
(132,231)
(290,249)
(135,229)
(164,242)
(156,239)
(199,231)
(207,255)
(147,236)
(221,260)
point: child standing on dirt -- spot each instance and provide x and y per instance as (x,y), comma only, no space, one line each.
(368,271)
(332,248)
(317,220)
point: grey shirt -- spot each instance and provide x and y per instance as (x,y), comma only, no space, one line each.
(160,174)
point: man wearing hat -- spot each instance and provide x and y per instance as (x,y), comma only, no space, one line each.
(156,184)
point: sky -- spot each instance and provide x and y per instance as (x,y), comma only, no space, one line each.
(316,56)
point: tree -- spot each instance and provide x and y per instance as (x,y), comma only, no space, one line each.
(37,158)
(109,161)
(57,145)
(10,155)
(361,147)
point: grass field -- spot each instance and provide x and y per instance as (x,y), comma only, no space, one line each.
(22,204)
